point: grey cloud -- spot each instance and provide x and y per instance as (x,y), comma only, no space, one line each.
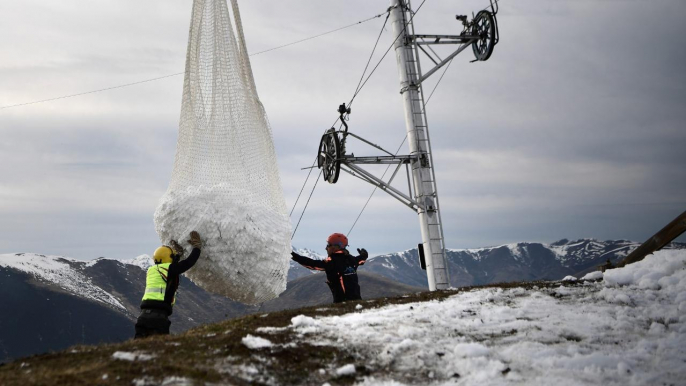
(574,128)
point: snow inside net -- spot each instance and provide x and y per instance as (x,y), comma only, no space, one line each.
(225,183)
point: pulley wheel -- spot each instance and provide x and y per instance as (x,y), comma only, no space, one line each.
(329,156)
(484,27)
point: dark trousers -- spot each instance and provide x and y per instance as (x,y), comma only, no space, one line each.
(152,322)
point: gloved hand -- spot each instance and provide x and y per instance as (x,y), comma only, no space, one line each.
(176,247)
(294,255)
(195,240)
(363,253)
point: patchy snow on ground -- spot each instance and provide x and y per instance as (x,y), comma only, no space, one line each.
(169,381)
(131,356)
(255,342)
(627,329)
(595,275)
(345,370)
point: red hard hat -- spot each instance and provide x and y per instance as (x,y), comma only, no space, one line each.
(338,239)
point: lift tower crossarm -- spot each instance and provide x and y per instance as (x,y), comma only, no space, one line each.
(383,159)
(448,39)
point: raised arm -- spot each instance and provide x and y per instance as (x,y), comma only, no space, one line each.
(189,262)
(308,263)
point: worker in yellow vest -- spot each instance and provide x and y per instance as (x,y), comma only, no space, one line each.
(161,284)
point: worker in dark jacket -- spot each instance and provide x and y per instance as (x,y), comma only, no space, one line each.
(161,284)
(340,267)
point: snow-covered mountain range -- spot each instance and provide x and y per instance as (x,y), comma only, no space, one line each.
(52,302)
(624,326)
(508,263)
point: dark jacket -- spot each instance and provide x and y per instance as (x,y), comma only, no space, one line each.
(175,269)
(341,273)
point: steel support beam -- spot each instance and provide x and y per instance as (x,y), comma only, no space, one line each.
(383,185)
(401,159)
(443,63)
(405,200)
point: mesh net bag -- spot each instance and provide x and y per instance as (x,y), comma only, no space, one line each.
(225,183)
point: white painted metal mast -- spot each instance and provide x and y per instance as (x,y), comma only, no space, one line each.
(481,33)
(423,176)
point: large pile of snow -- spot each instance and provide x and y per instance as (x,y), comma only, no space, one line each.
(628,329)
(225,183)
(244,256)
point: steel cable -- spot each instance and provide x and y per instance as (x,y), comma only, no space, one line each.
(357,91)
(396,152)
(181,73)
(336,121)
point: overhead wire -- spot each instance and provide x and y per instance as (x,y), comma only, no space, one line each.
(359,88)
(437,83)
(334,123)
(396,153)
(387,51)
(303,187)
(91,92)
(306,204)
(181,73)
(316,36)
(253,54)
(374,190)
(398,150)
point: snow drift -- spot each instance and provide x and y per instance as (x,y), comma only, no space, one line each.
(627,329)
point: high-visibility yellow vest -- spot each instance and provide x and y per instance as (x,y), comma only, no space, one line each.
(156,282)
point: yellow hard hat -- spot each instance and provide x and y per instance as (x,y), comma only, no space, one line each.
(163,255)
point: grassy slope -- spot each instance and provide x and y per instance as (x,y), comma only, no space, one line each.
(214,353)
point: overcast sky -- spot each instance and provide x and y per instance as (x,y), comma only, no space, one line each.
(574,128)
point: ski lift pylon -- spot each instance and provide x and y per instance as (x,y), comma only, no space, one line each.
(422,196)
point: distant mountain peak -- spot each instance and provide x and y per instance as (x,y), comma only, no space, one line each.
(61,271)
(308,253)
(524,261)
(560,242)
(142,261)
